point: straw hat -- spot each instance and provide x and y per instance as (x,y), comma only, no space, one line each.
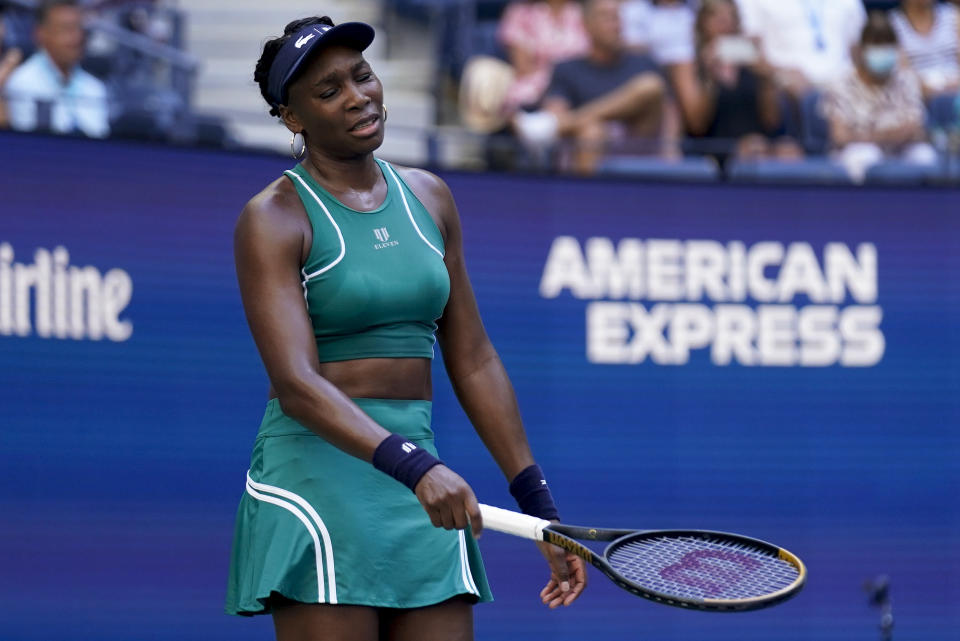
(483,94)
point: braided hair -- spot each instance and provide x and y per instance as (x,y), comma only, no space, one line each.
(270,50)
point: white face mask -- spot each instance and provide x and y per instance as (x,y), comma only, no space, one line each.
(880,60)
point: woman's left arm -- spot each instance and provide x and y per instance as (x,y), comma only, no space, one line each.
(479,378)
(768,93)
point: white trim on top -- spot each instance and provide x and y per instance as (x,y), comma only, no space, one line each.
(343,245)
(465,573)
(409,213)
(252,486)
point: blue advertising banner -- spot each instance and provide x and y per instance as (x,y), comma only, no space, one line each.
(781,362)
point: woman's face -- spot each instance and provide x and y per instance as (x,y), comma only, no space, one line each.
(878,59)
(721,20)
(338,103)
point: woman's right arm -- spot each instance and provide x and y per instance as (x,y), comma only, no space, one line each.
(833,108)
(841,134)
(268,246)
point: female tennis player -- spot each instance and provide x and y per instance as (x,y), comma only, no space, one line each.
(348,268)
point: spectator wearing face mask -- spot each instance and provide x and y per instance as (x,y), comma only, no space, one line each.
(929,34)
(877,112)
(50,91)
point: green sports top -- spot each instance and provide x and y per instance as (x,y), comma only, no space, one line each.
(375,281)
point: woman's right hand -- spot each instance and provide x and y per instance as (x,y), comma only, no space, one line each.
(717,69)
(448,500)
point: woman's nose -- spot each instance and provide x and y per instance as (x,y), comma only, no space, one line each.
(356,98)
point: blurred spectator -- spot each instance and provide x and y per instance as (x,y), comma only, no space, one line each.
(662,28)
(808,42)
(152,24)
(537,35)
(877,111)
(929,34)
(482,100)
(50,90)
(17,26)
(609,98)
(728,97)
(9,59)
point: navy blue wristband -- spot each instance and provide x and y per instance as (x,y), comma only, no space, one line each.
(533,496)
(403,460)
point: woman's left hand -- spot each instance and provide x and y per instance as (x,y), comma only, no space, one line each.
(568,576)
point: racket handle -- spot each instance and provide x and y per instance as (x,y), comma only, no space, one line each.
(522,525)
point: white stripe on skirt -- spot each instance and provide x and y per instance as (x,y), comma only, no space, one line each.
(465,566)
(306,507)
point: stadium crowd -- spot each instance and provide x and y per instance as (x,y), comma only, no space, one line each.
(742,80)
(571,85)
(96,68)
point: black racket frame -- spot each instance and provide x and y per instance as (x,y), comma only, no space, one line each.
(564,536)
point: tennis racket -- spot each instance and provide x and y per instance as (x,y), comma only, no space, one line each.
(694,569)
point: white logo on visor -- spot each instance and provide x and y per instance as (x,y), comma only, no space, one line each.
(303,40)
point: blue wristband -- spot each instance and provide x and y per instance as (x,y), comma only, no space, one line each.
(403,460)
(530,490)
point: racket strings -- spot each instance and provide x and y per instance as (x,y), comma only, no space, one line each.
(702,568)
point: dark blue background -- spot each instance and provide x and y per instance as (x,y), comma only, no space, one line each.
(123,462)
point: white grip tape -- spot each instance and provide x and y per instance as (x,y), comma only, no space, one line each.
(522,525)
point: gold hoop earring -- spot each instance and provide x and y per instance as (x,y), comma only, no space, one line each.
(384,107)
(297,155)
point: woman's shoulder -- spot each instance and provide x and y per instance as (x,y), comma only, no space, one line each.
(277,206)
(424,184)
(432,191)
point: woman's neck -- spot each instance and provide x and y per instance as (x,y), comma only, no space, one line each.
(344,174)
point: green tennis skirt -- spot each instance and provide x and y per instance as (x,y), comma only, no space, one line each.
(317,525)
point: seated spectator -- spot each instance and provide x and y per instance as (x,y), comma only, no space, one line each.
(608,97)
(536,36)
(728,97)
(50,90)
(807,41)
(9,60)
(929,34)
(662,28)
(877,112)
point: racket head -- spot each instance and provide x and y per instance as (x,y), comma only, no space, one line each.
(705,570)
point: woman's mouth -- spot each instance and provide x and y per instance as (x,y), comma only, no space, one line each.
(366,125)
